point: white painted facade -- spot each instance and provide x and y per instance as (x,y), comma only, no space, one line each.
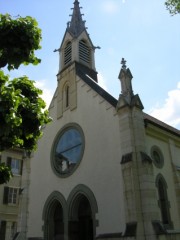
(100,170)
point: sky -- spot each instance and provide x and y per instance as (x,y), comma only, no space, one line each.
(141,31)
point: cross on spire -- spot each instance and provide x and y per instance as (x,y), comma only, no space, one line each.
(123,62)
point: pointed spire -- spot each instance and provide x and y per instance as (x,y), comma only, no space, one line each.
(76,25)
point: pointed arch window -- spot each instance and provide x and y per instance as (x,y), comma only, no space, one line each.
(163,202)
(68,53)
(84,52)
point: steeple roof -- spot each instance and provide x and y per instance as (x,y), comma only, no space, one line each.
(76,25)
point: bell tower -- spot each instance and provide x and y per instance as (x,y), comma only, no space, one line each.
(76,45)
(76,54)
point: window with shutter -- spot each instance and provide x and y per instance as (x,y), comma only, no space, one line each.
(10,195)
(84,52)
(67,53)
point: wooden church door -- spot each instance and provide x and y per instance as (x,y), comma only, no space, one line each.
(58,223)
(82,228)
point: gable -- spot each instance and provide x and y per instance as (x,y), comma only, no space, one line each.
(90,78)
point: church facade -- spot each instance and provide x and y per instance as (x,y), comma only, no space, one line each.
(103,169)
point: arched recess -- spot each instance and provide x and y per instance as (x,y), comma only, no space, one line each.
(82,209)
(55,217)
(163,201)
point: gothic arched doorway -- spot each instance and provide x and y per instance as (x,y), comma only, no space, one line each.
(55,217)
(58,224)
(81,226)
(55,224)
(85,220)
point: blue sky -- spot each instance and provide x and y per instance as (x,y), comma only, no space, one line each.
(141,31)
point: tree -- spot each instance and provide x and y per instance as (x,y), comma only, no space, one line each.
(22,110)
(19,38)
(173,6)
(21,113)
(5,173)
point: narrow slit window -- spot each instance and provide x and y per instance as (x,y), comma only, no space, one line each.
(67,96)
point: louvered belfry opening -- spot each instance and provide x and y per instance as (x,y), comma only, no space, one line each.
(84,52)
(68,53)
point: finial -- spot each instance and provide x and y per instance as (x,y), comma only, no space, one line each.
(123,62)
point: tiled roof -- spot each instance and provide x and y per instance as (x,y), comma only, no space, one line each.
(160,124)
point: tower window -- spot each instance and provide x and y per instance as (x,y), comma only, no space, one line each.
(84,52)
(67,53)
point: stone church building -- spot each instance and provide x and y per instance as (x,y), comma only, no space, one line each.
(103,169)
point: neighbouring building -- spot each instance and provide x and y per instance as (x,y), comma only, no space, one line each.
(103,169)
(14,195)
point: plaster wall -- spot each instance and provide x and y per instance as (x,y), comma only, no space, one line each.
(100,168)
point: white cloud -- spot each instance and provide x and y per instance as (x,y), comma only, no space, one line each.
(110,7)
(169,112)
(47,93)
(102,81)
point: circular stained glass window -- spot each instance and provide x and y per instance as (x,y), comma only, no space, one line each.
(68,150)
(157,157)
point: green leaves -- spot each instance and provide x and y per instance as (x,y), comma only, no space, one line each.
(19,38)
(173,6)
(22,110)
(5,173)
(22,113)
